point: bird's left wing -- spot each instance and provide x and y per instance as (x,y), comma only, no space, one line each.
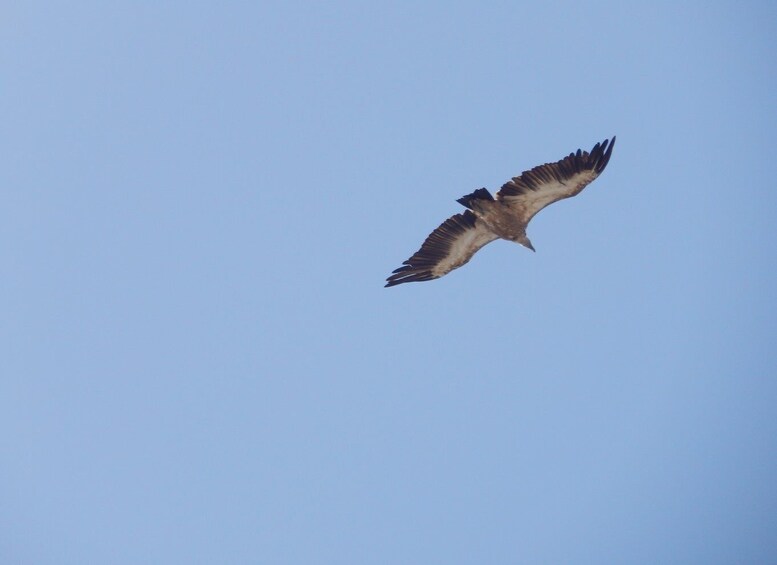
(448,247)
(530,192)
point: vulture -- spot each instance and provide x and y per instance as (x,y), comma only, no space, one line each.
(487,218)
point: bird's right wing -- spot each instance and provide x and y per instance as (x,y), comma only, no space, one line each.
(448,247)
(530,192)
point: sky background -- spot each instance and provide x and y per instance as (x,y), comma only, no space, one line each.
(200,364)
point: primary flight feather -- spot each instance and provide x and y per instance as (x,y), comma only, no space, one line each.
(487,218)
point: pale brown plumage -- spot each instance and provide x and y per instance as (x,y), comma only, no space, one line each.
(459,237)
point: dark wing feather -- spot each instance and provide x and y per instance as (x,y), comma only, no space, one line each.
(448,247)
(530,192)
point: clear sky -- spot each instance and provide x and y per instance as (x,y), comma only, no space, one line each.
(200,364)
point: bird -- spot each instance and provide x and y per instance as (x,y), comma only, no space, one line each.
(486,219)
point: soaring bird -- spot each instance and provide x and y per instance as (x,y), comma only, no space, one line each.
(487,218)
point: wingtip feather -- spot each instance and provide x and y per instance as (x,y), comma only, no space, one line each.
(606,152)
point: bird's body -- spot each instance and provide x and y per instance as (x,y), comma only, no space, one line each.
(487,218)
(497,215)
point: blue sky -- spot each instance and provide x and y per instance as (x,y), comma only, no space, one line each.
(200,363)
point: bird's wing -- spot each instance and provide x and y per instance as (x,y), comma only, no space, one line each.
(530,192)
(448,247)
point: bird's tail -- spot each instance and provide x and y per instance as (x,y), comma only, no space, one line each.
(479,194)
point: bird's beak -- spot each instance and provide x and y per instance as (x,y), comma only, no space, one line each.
(530,246)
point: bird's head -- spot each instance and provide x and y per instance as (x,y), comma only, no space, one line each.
(523,240)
